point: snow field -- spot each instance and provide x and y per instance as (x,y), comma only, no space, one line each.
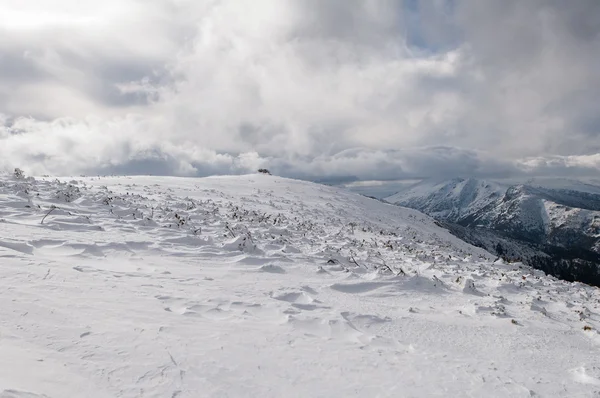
(263,286)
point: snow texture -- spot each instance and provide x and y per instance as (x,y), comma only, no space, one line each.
(259,286)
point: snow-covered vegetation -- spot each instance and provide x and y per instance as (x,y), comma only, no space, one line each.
(264,286)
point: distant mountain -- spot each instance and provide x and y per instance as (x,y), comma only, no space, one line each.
(553,224)
(450,200)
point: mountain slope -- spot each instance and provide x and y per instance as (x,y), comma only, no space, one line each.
(449,200)
(554,222)
(263,286)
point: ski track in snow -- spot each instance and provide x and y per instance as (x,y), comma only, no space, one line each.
(259,286)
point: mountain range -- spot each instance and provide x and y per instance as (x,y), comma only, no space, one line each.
(550,223)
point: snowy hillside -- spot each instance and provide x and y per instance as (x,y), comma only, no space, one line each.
(259,286)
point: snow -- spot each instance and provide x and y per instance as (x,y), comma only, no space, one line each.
(449,199)
(263,286)
(568,217)
(544,210)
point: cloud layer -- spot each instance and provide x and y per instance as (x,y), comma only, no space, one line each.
(338,89)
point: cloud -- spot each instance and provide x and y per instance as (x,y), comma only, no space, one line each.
(582,166)
(374,89)
(95,146)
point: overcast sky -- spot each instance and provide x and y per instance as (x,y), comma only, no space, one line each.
(316,89)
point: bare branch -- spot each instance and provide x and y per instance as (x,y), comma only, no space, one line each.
(354,260)
(52,208)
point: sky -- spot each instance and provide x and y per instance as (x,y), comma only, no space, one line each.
(335,90)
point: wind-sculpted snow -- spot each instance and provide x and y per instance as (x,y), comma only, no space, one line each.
(259,286)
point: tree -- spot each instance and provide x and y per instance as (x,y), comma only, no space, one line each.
(499,249)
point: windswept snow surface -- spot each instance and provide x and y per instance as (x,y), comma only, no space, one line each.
(259,286)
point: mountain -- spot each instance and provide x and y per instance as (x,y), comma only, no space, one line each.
(449,200)
(256,285)
(553,224)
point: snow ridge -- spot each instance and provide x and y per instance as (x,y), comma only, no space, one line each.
(453,199)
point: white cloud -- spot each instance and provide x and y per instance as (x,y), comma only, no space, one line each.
(368,89)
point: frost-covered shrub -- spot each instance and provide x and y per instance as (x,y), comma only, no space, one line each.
(19,174)
(68,194)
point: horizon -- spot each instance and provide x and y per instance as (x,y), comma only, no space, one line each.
(378,189)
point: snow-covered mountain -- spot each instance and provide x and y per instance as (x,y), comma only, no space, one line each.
(451,200)
(555,218)
(262,286)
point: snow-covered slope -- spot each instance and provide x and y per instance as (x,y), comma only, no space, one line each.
(463,200)
(451,200)
(539,214)
(262,286)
